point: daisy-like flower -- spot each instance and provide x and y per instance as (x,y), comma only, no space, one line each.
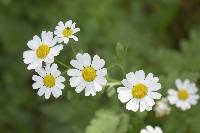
(49,81)
(42,50)
(88,74)
(66,31)
(139,91)
(162,108)
(150,129)
(185,96)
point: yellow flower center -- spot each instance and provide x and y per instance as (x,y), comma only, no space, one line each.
(139,91)
(42,51)
(49,81)
(183,94)
(67,32)
(88,74)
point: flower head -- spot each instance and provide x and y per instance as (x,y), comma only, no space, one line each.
(139,91)
(150,129)
(185,95)
(49,81)
(66,31)
(162,108)
(42,50)
(88,74)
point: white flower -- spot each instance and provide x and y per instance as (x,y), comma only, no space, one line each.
(42,50)
(66,31)
(185,96)
(88,74)
(139,91)
(162,108)
(150,129)
(49,81)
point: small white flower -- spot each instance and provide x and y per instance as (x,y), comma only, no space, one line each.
(42,50)
(150,129)
(66,31)
(139,91)
(49,81)
(88,74)
(185,96)
(162,108)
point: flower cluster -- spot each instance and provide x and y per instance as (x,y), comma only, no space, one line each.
(139,90)
(41,55)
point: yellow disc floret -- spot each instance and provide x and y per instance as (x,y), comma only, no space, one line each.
(42,51)
(89,74)
(139,91)
(67,32)
(49,81)
(183,94)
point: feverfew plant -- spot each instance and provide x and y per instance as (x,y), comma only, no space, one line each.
(138,90)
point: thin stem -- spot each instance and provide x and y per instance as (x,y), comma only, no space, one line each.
(64,72)
(73,50)
(61,63)
(113,83)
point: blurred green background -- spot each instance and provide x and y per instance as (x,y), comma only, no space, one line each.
(159,36)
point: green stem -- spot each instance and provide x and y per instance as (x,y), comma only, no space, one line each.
(113,83)
(59,62)
(73,49)
(64,72)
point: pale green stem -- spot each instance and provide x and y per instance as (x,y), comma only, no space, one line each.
(61,63)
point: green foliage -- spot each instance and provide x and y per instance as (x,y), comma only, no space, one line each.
(159,36)
(106,121)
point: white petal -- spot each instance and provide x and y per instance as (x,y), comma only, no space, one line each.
(61,24)
(154,95)
(60,79)
(29,56)
(124,97)
(74,37)
(86,60)
(37,78)
(97,86)
(66,40)
(155,87)
(126,83)
(32,44)
(131,78)
(68,23)
(74,72)
(34,65)
(140,76)
(101,80)
(132,105)
(97,63)
(60,85)
(148,79)
(102,72)
(80,87)
(56,92)
(56,49)
(75,81)
(179,83)
(76,30)
(37,85)
(47,93)
(172,92)
(76,64)
(123,90)
(41,91)
(142,105)
(149,101)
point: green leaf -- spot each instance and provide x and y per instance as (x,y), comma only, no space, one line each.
(106,121)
